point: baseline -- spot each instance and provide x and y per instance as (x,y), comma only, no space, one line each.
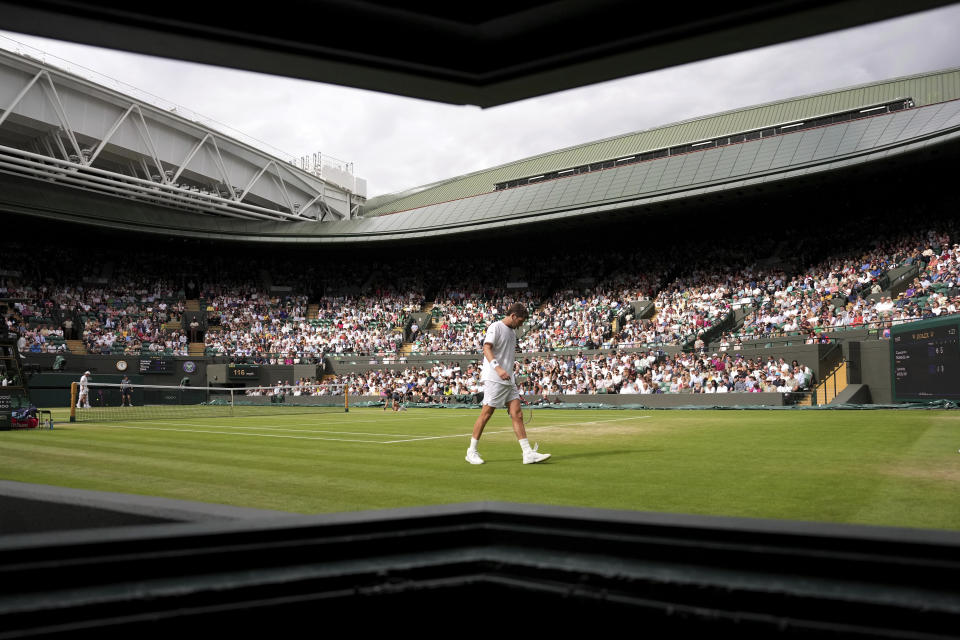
(294,428)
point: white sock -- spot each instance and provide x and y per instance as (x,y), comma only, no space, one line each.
(525,445)
(473,444)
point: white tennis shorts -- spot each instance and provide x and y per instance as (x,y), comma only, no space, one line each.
(498,395)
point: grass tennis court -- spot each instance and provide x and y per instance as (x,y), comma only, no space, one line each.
(898,468)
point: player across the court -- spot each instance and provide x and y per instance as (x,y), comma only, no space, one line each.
(83,398)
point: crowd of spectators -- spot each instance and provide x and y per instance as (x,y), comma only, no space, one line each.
(843,293)
(460,320)
(436,383)
(128,316)
(590,290)
(572,320)
(650,372)
(578,301)
(647,372)
(257,324)
(41,339)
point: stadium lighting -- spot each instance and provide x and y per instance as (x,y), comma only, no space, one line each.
(871,109)
(787,126)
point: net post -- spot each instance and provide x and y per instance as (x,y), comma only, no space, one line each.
(346,399)
(73,401)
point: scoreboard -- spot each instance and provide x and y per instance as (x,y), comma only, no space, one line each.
(243,371)
(925,360)
(157,365)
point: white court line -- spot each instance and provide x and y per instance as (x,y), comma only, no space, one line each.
(178,421)
(294,428)
(200,424)
(233,433)
(543,428)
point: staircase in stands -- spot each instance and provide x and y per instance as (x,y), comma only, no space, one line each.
(195,349)
(407,347)
(833,383)
(76,346)
(428,308)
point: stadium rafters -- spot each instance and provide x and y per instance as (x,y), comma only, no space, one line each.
(737,154)
(67,131)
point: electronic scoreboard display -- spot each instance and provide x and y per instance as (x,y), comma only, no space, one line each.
(157,365)
(243,371)
(925,360)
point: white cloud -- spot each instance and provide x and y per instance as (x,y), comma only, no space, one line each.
(397,143)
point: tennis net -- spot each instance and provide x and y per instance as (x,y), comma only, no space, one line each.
(112,402)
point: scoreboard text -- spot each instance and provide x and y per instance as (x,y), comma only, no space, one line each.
(926,360)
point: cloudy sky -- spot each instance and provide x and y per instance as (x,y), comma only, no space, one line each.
(396,143)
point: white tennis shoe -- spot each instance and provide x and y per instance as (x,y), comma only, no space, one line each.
(532,457)
(473,457)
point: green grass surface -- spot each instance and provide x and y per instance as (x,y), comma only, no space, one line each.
(898,468)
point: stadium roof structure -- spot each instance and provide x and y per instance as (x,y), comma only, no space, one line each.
(485,53)
(733,153)
(69,136)
(784,142)
(922,89)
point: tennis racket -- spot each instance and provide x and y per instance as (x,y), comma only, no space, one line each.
(527,412)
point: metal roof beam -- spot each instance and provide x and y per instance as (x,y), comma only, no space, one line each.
(166,144)
(109,134)
(19,97)
(62,169)
(144,131)
(54,97)
(190,155)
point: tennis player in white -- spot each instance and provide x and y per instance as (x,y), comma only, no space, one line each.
(83,399)
(499,387)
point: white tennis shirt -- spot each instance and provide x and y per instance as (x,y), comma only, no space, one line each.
(504,341)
